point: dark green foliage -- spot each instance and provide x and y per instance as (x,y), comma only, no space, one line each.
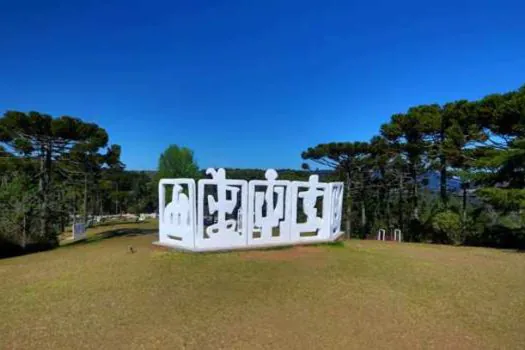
(58,170)
(350,161)
(46,162)
(481,143)
(447,227)
(177,162)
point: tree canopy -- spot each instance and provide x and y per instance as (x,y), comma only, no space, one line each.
(176,162)
(60,165)
(478,144)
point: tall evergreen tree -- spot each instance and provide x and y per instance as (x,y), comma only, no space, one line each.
(344,157)
(406,132)
(47,140)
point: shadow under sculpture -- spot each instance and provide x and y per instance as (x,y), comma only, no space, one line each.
(236,214)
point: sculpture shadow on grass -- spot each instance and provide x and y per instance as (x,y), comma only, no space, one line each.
(119,232)
(9,249)
(336,244)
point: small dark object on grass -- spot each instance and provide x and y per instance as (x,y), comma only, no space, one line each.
(131,249)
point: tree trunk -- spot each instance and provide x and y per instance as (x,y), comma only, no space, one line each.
(387,209)
(24,229)
(116,201)
(74,207)
(348,205)
(415,204)
(41,193)
(400,205)
(464,207)
(101,206)
(363,218)
(43,187)
(85,199)
(443,163)
(63,209)
(443,181)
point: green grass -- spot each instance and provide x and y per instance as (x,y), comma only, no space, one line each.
(360,294)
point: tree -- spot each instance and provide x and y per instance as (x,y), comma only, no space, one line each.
(500,161)
(177,162)
(344,157)
(17,204)
(447,225)
(140,195)
(48,140)
(386,171)
(406,134)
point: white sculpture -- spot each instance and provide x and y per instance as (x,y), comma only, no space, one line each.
(277,214)
(255,214)
(177,219)
(317,224)
(224,233)
(336,192)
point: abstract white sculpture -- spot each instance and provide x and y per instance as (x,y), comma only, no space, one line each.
(224,233)
(245,214)
(177,220)
(316,227)
(277,215)
(336,190)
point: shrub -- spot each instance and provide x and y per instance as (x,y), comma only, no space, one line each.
(447,226)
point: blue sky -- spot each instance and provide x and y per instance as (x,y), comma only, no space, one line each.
(251,83)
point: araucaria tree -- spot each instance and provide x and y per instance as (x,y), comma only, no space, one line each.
(346,158)
(49,145)
(459,165)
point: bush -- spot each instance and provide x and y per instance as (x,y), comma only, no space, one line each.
(489,229)
(447,227)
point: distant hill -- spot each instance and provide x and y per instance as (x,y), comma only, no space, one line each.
(434,179)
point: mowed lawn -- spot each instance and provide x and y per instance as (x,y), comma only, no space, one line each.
(363,294)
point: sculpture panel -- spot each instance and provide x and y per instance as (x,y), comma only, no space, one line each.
(315,202)
(177,219)
(232,214)
(336,208)
(230,198)
(269,210)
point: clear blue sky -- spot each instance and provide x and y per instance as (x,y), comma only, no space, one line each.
(251,83)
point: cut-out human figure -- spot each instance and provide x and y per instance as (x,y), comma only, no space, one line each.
(309,197)
(177,214)
(337,193)
(225,204)
(274,211)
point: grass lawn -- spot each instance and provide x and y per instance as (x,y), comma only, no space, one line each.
(363,294)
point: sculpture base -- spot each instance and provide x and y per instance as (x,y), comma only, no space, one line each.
(247,247)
